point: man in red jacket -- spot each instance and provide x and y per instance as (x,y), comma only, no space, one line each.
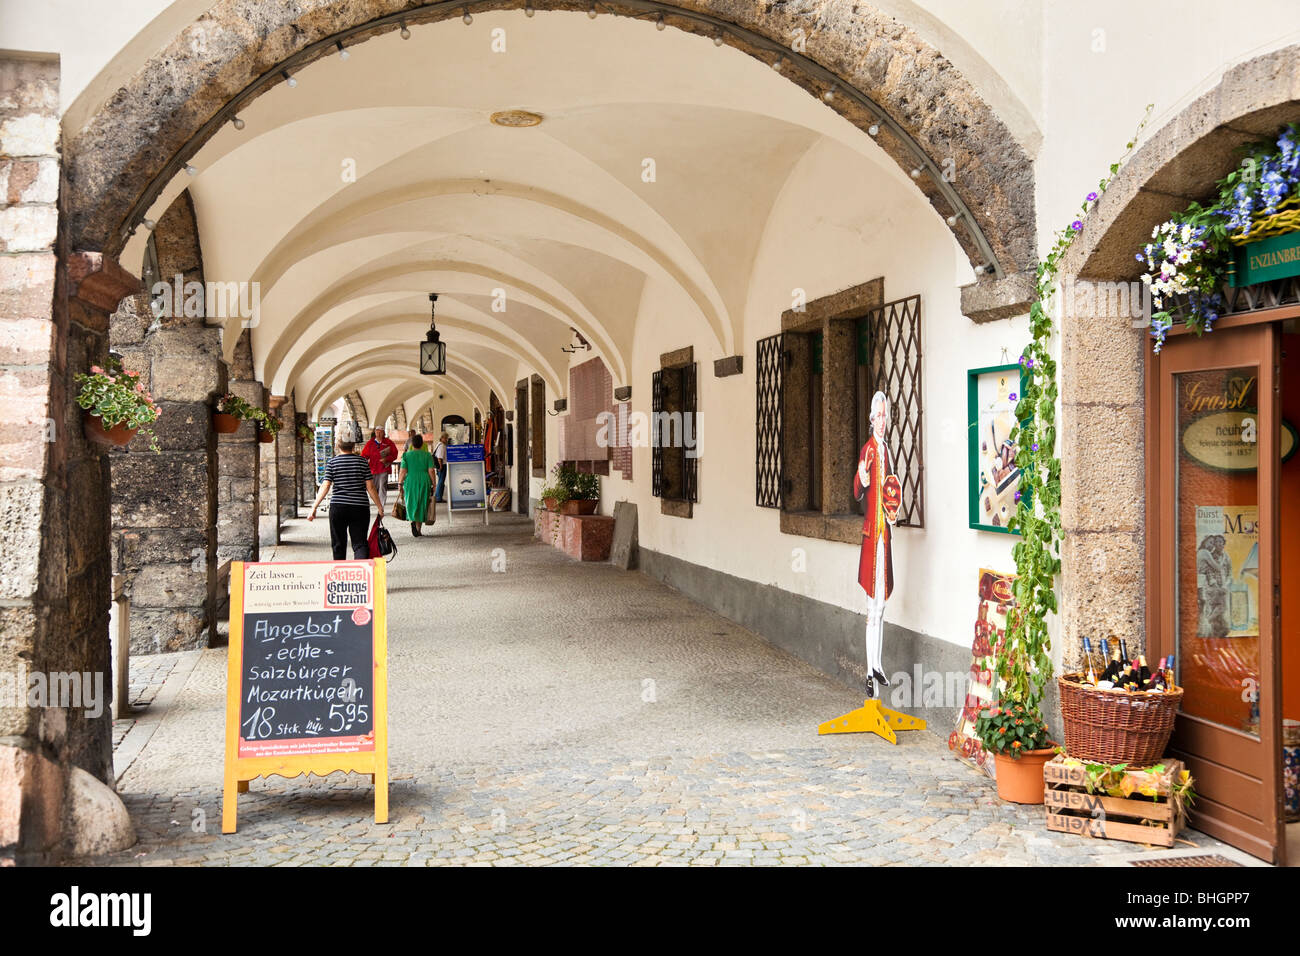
(381,453)
(878,488)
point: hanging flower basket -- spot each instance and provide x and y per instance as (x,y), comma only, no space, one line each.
(224,424)
(265,436)
(117,405)
(119,435)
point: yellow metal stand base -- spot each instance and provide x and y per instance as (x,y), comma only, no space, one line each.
(872,718)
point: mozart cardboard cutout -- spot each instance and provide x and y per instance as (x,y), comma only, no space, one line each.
(880,492)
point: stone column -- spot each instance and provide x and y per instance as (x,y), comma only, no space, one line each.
(1103,579)
(54,569)
(287,451)
(165,505)
(237,478)
(306,466)
(269,480)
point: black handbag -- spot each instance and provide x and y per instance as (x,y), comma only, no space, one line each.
(381,542)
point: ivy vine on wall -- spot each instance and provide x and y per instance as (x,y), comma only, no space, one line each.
(1024,662)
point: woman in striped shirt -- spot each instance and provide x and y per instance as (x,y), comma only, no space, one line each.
(348,483)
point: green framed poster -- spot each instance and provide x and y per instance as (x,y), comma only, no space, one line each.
(995,480)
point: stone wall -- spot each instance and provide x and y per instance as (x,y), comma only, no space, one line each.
(54,579)
(238,487)
(165,505)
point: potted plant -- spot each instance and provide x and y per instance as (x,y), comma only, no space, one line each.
(1018,739)
(305,432)
(230,411)
(118,405)
(554,495)
(268,426)
(583,493)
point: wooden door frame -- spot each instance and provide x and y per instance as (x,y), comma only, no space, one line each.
(523,464)
(1253,341)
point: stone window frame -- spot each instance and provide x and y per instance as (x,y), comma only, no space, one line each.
(682,358)
(836,317)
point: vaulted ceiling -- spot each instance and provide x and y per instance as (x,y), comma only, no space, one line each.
(380,178)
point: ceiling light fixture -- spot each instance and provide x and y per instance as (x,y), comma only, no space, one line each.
(659,23)
(873,130)
(916,173)
(191,170)
(343,53)
(289,78)
(954,219)
(528,10)
(150,224)
(433,351)
(467,19)
(829,94)
(406,33)
(237,123)
(592,11)
(717,40)
(780,62)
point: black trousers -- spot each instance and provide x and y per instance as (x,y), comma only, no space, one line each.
(351,520)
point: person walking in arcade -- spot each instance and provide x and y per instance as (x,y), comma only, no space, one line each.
(880,491)
(416,481)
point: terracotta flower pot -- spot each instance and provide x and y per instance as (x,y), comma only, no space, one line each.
(575,506)
(550,504)
(265,437)
(119,434)
(224,423)
(1020,780)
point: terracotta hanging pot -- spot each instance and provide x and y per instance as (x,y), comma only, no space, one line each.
(1020,780)
(575,506)
(224,423)
(118,435)
(265,437)
(550,504)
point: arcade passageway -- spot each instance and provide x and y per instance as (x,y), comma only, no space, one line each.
(564,712)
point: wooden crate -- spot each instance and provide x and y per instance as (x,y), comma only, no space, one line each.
(1148,816)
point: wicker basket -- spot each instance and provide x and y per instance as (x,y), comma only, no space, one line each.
(1112,727)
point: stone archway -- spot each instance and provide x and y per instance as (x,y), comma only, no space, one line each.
(878,73)
(1103,388)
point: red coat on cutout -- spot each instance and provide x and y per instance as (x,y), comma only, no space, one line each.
(873,519)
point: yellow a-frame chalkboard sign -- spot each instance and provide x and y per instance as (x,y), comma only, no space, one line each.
(306,675)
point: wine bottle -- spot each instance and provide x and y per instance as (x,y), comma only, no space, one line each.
(1158,682)
(1090,675)
(1170,682)
(1144,672)
(1107,668)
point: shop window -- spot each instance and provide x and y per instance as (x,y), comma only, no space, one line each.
(674,465)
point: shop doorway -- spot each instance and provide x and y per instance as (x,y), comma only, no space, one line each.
(1221,540)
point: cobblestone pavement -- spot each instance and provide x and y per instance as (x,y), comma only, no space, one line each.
(147,674)
(568,713)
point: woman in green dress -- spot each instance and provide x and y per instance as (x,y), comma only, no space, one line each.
(417,479)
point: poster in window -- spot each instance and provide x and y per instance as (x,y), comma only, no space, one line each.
(1227,571)
(996,481)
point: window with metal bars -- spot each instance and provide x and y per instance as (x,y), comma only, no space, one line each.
(674,466)
(889,360)
(770,430)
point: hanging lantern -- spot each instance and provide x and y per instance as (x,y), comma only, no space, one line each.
(433,351)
